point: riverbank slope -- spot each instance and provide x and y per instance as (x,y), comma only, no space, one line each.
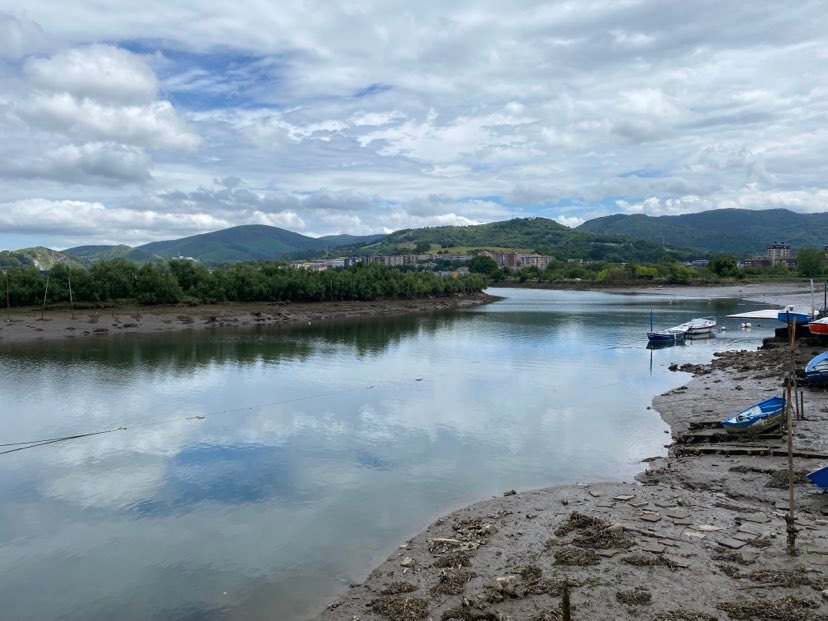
(27,325)
(700,536)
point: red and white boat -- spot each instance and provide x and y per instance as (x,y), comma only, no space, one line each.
(819,326)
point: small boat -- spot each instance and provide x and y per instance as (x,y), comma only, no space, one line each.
(757,418)
(700,325)
(664,336)
(819,326)
(817,369)
(802,314)
(819,477)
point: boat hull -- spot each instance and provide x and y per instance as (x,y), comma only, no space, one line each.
(819,477)
(819,327)
(757,418)
(800,318)
(817,369)
(665,337)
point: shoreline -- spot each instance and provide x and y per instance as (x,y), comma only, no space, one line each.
(26,325)
(697,537)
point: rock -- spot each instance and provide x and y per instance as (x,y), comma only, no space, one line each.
(511,492)
(408,562)
(650,517)
(655,548)
(677,514)
(756,518)
(729,542)
(639,503)
(623,497)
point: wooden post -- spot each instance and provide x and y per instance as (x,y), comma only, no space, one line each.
(801,405)
(790,519)
(8,304)
(792,331)
(71,300)
(45,291)
(566,605)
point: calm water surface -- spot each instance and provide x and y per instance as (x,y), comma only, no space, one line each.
(320,451)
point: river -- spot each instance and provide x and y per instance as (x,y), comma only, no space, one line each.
(319,451)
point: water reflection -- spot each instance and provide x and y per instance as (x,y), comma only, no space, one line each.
(319,450)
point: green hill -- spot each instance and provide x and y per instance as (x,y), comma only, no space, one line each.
(534,234)
(742,232)
(38,257)
(98,253)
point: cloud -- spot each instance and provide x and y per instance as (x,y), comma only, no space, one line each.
(19,36)
(103,73)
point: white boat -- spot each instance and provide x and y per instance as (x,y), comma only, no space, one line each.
(694,327)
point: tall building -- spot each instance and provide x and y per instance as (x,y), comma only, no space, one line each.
(777,252)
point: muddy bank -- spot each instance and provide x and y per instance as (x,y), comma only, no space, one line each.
(27,325)
(700,536)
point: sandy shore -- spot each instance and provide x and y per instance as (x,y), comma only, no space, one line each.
(698,537)
(26,325)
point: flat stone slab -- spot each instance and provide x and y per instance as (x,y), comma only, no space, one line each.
(756,518)
(678,561)
(623,497)
(694,534)
(607,553)
(595,494)
(650,517)
(745,537)
(604,504)
(730,542)
(781,504)
(683,522)
(664,504)
(706,528)
(655,548)
(639,503)
(677,514)
(753,530)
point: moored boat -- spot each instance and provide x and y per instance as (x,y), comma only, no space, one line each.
(671,335)
(819,477)
(699,325)
(819,326)
(802,314)
(764,415)
(817,368)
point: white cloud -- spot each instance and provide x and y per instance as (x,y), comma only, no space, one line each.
(569,221)
(19,36)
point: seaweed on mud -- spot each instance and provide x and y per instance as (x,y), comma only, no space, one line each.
(730,556)
(399,608)
(785,609)
(637,597)
(397,587)
(531,573)
(470,610)
(793,578)
(456,558)
(648,560)
(577,521)
(760,542)
(548,615)
(473,529)
(452,582)
(576,556)
(731,571)
(603,538)
(682,614)
(778,479)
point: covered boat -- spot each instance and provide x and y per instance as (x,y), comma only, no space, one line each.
(819,477)
(802,314)
(817,369)
(757,418)
(700,325)
(819,326)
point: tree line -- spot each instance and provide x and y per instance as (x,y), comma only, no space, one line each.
(178,280)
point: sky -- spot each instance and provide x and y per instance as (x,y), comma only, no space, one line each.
(130,122)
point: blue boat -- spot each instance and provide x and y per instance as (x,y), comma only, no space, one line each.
(672,335)
(802,314)
(817,369)
(757,418)
(819,477)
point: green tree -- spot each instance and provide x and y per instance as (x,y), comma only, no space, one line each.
(724,265)
(809,262)
(483,265)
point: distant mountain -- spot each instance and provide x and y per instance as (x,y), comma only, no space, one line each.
(742,232)
(531,234)
(97,253)
(243,243)
(38,257)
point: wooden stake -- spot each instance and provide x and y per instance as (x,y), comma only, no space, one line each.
(45,291)
(790,519)
(566,606)
(71,301)
(792,330)
(801,405)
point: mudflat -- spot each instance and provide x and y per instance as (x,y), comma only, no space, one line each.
(700,535)
(25,325)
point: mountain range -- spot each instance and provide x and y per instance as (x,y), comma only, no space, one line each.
(741,232)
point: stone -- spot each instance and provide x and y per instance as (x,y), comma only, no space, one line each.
(605,504)
(664,504)
(677,514)
(655,548)
(607,553)
(706,528)
(745,537)
(748,556)
(753,530)
(678,561)
(595,494)
(694,534)
(782,505)
(756,518)
(407,562)
(623,497)
(683,522)
(639,503)
(650,517)
(729,542)
(825,594)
